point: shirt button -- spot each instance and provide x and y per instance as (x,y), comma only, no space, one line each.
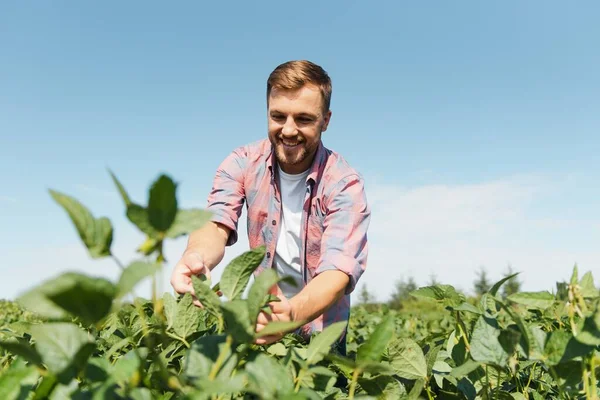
(274,222)
(268,254)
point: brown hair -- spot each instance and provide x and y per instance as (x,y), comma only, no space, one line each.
(292,75)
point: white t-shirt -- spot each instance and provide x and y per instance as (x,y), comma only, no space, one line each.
(287,251)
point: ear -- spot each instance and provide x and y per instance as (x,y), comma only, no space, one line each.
(326,119)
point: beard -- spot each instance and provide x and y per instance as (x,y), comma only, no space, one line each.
(291,156)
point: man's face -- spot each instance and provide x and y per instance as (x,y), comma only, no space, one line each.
(296,120)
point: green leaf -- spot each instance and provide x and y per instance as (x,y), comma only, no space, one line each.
(188,317)
(162,203)
(21,347)
(320,345)
(96,233)
(237,274)
(373,348)
(121,189)
(509,339)
(64,348)
(235,313)
(138,215)
(445,293)
(498,284)
(87,298)
(575,276)
(133,274)
(268,378)
(534,300)
(187,221)
(485,346)
(415,392)
(128,364)
(465,369)
(209,299)
(588,289)
(279,327)
(385,387)
(263,282)
(590,334)
(562,347)
(468,307)
(432,356)
(200,358)
(169,309)
(407,359)
(17,382)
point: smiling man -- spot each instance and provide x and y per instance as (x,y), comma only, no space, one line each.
(304,203)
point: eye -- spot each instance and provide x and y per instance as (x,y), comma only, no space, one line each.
(305,120)
(277,117)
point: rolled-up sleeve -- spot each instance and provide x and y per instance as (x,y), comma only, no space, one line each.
(344,245)
(227,196)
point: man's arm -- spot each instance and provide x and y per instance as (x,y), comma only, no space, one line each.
(210,240)
(206,246)
(316,297)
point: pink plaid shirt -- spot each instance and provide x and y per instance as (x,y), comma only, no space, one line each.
(334,220)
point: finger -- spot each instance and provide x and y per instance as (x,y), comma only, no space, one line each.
(263,318)
(276,291)
(197,303)
(259,327)
(267,339)
(179,280)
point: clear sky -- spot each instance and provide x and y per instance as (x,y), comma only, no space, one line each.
(475,124)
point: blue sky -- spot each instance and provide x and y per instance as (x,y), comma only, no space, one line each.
(475,124)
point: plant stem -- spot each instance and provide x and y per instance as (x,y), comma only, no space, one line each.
(119,263)
(353,383)
(532,369)
(222,355)
(593,383)
(174,336)
(299,380)
(462,330)
(487,380)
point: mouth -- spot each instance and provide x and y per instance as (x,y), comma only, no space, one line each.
(290,145)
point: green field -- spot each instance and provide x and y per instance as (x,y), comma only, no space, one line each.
(78,336)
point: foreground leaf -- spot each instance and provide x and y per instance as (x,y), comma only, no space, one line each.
(71,293)
(134,274)
(536,300)
(258,291)
(162,203)
(485,346)
(96,234)
(237,274)
(187,221)
(407,359)
(320,345)
(373,348)
(64,348)
(188,317)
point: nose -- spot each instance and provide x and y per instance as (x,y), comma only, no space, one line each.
(289,128)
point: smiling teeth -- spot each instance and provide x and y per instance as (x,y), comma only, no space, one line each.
(290,144)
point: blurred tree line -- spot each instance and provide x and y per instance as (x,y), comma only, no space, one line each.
(402,289)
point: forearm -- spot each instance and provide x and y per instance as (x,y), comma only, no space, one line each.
(320,294)
(209,240)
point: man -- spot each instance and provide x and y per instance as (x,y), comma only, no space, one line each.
(304,203)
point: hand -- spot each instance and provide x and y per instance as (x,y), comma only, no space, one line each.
(192,263)
(280,311)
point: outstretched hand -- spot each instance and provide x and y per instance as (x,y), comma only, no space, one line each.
(280,311)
